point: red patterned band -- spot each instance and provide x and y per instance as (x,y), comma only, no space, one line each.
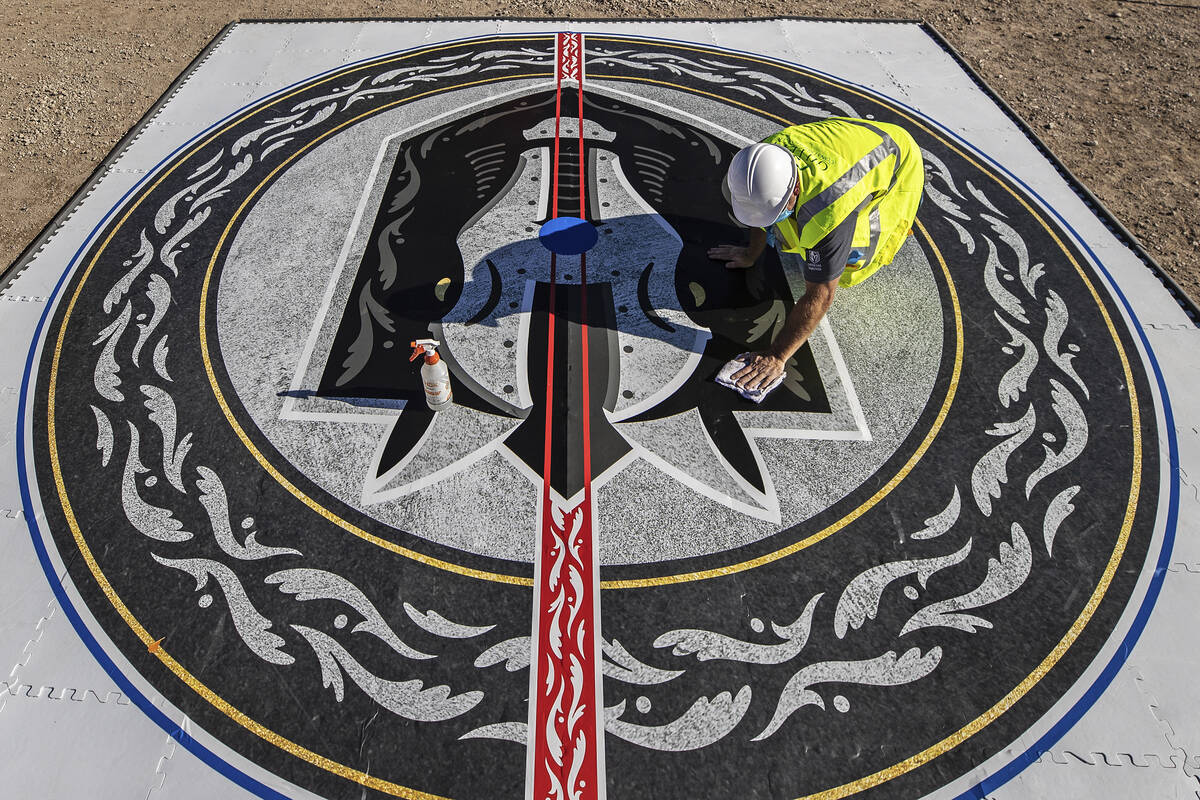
(566,732)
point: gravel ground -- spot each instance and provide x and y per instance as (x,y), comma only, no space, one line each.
(1110,86)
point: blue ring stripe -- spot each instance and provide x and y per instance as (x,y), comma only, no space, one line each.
(140,700)
(1089,698)
(1076,712)
(988,784)
(1106,676)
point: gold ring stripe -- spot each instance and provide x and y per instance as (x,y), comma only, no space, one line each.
(866,505)
(518,580)
(528,581)
(836,792)
(178,669)
(968,730)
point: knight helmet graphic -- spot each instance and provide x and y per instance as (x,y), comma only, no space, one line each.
(454,253)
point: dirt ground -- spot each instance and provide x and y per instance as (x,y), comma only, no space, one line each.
(1110,85)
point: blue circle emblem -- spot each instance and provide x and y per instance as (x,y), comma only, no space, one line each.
(568,236)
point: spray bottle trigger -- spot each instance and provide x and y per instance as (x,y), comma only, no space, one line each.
(428,347)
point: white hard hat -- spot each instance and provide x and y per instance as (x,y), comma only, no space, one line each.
(761,178)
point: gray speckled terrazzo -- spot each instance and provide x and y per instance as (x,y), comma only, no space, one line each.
(111,745)
(888,330)
(267,302)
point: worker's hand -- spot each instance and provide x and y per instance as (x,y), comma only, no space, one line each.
(760,371)
(734,257)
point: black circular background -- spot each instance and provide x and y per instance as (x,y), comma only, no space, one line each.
(816,749)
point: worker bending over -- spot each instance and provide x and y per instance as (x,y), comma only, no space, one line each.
(841,193)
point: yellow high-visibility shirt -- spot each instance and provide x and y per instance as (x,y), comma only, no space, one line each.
(852,166)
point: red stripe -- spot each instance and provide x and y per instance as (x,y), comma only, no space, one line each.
(593,785)
(557,121)
(541,752)
(582,169)
(553,281)
(587,431)
(549,382)
(583,302)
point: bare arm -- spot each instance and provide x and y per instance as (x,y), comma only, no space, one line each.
(802,320)
(736,257)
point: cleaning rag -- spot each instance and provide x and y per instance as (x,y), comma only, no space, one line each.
(725,378)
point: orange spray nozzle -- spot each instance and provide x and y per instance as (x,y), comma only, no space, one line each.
(428,347)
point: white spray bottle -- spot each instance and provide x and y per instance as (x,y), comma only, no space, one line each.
(435,377)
